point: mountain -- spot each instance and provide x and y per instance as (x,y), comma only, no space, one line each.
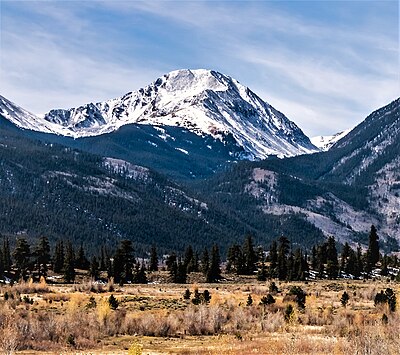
(63,193)
(341,192)
(206,103)
(324,143)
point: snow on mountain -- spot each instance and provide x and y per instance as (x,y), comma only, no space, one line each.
(325,143)
(25,119)
(204,102)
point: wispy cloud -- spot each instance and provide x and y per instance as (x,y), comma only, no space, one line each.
(326,73)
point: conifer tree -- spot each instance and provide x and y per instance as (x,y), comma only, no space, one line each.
(22,256)
(69,263)
(205,262)
(103,258)
(94,268)
(332,264)
(188,259)
(139,276)
(123,262)
(235,262)
(42,255)
(81,261)
(153,259)
(273,258)
(282,258)
(373,247)
(249,256)
(6,255)
(58,258)
(214,270)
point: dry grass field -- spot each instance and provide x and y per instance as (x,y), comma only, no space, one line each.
(156,319)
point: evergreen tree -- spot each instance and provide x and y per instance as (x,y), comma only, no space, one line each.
(103,258)
(94,268)
(172,267)
(153,259)
(384,266)
(332,263)
(235,262)
(314,258)
(205,262)
(359,262)
(42,255)
(214,271)
(1,262)
(344,257)
(282,258)
(139,276)
(262,273)
(373,247)
(181,275)
(58,258)
(22,256)
(69,263)
(81,261)
(123,262)
(273,258)
(188,259)
(249,256)
(7,255)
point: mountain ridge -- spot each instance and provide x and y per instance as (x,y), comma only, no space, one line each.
(202,101)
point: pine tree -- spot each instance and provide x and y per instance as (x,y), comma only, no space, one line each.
(181,275)
(344,257)
(214,271)
(205,262)
(6,255)
(22,256)
(188,259)
(314,258)
(172,267)
(373,247)
(104,258)
(262,273)
(249,256)
(235,262)
(273,258)
(123,262)
(42,255)
(94,268)
(139,276)
(332,264)
(282,258)
(69,263)
(81,261)
(153,259)
(58,258)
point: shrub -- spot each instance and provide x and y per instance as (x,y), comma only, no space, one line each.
(344,299)
(266,300)
(300,296)
(113,302)
(289,313)
(249,301)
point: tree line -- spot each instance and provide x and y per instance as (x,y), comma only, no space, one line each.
(279,262)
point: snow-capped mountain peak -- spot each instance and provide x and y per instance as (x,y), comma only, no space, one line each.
(326,142)
(204,102)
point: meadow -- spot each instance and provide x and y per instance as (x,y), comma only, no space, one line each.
(164,318)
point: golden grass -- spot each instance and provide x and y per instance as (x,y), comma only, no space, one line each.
(155,319)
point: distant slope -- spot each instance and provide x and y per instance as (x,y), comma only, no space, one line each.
(324,143)
(341,192)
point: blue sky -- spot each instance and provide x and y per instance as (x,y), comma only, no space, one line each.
(325,64)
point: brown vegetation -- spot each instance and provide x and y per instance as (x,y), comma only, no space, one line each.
(157,319)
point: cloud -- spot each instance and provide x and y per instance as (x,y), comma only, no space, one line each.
(324,74)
